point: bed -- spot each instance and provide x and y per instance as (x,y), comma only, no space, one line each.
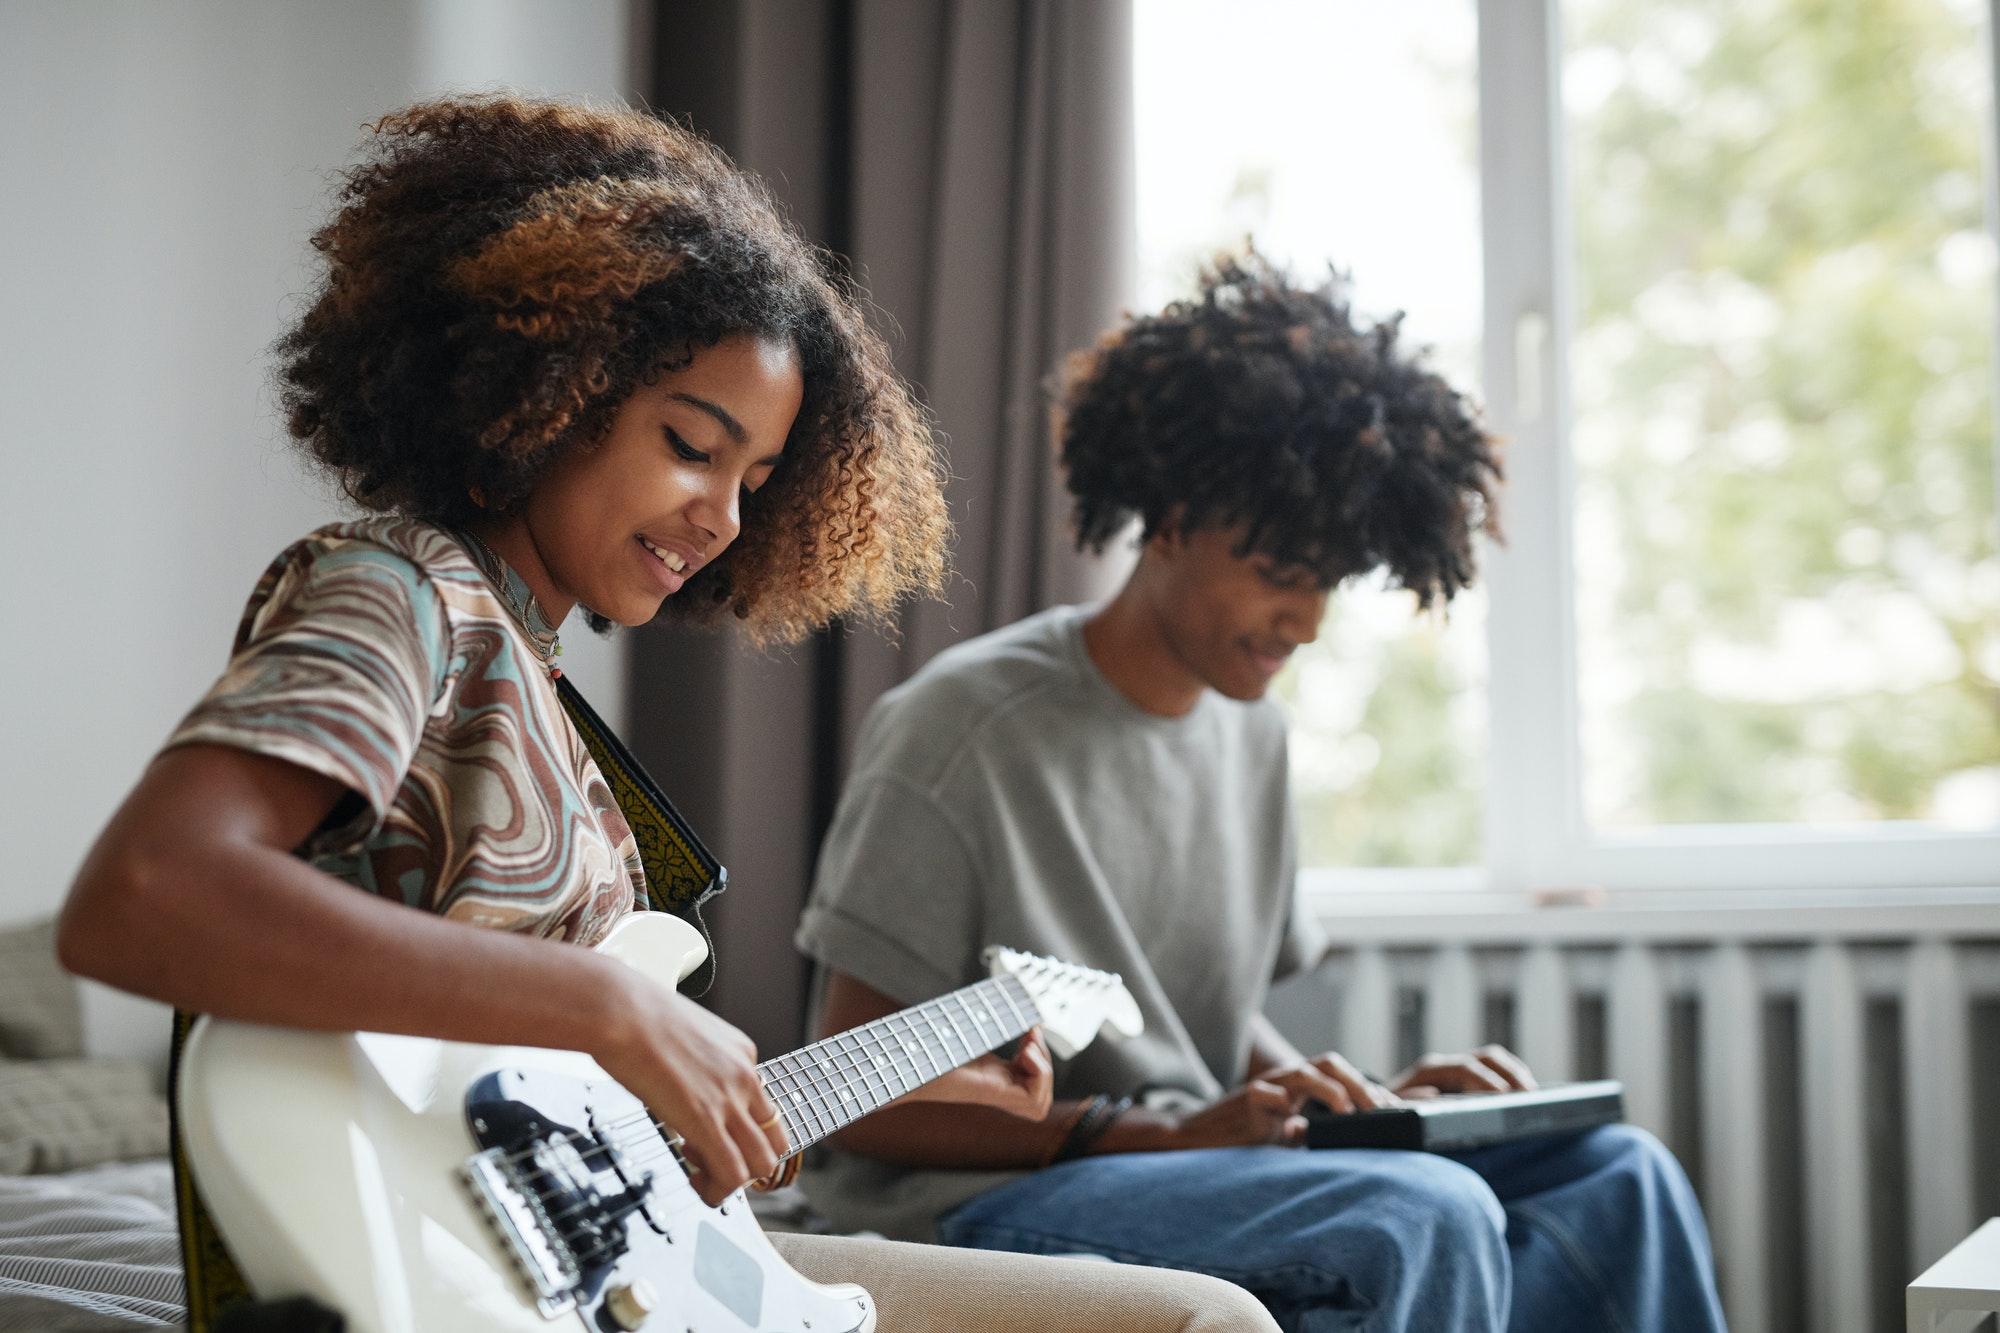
(87,1235)
(94,1249)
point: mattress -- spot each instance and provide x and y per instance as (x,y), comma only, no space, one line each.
(90,1250)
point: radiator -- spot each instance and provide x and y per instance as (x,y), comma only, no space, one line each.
(1826,1068)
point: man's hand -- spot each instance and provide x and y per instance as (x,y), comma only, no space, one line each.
(1257,1112)
(1023,1086)
(699,1076)
(1489,1069)
(1270,1107)
(1330,1080)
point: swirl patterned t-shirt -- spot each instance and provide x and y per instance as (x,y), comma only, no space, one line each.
(412,668)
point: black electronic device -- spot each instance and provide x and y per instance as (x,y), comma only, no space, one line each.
(1458,1121)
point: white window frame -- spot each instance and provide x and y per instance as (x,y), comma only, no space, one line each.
(1538,838)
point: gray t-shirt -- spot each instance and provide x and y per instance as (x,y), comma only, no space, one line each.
(1009,794)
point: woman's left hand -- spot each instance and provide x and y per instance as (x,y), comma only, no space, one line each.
(1023,1086)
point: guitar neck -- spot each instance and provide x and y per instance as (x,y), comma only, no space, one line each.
(820,1088)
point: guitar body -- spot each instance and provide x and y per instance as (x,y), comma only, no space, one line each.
(414,1185)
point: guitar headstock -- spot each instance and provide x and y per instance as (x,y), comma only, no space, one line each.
(1076,1003)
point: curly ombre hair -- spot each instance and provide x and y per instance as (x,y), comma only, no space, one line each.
(504,272)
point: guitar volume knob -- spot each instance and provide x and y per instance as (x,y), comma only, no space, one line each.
(630,1303)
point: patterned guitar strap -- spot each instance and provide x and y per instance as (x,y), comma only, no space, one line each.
(681,875)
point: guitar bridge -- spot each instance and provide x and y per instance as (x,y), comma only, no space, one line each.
(526,1231)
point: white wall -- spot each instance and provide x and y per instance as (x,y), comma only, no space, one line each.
(163,166)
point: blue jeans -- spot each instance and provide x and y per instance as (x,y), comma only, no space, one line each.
(1596,1232)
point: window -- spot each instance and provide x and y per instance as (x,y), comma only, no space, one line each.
(1788,606)
(1723,273)
(1389,711)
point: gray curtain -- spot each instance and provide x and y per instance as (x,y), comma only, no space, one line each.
(973,159)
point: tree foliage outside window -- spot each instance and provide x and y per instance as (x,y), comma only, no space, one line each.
(1788,591)
(1388,713)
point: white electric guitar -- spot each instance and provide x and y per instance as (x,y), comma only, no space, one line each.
(422,1186)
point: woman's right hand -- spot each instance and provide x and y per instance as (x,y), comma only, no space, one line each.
(698,1075)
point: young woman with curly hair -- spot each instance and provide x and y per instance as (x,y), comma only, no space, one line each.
(565,358)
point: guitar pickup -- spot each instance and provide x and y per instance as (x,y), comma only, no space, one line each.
(526,1232)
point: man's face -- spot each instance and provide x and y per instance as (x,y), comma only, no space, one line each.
(1232,620)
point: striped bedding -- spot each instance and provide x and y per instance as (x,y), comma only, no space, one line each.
(89,1250)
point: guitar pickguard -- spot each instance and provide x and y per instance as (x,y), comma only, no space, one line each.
(592,1204)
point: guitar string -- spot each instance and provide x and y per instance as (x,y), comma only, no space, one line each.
(870,1032)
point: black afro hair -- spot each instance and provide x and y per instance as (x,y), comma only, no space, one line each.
(1262,404)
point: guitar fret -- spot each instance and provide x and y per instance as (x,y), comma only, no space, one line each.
(841,1067)
(816,1108)
(832,1082)
(906,1053)
(1024,1004)
(930,1021)
(978,1027)
(924,1046)
(861,1066)
(888,1079)
(912,1045)
(796,1098)
(868,1066)
(932,1045)
(963,1019)
(996,995)
(957,1031)
(981,1013)
(908,1076)
(851,1064)
(1013,1010)
(986,1003)
(846,1066)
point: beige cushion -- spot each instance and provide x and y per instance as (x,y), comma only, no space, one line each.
(57,1115)
(935,1289)
(40,1015)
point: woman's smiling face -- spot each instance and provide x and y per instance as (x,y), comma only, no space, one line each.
(621,526)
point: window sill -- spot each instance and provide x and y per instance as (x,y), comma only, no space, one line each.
(1431,907)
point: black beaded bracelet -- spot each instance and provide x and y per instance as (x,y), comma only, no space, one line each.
(1090,1126)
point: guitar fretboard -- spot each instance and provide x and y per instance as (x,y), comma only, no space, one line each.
(834,1082)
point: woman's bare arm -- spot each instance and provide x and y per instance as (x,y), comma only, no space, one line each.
(192,896)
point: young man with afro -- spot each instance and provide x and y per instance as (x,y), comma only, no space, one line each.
(1108,784)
